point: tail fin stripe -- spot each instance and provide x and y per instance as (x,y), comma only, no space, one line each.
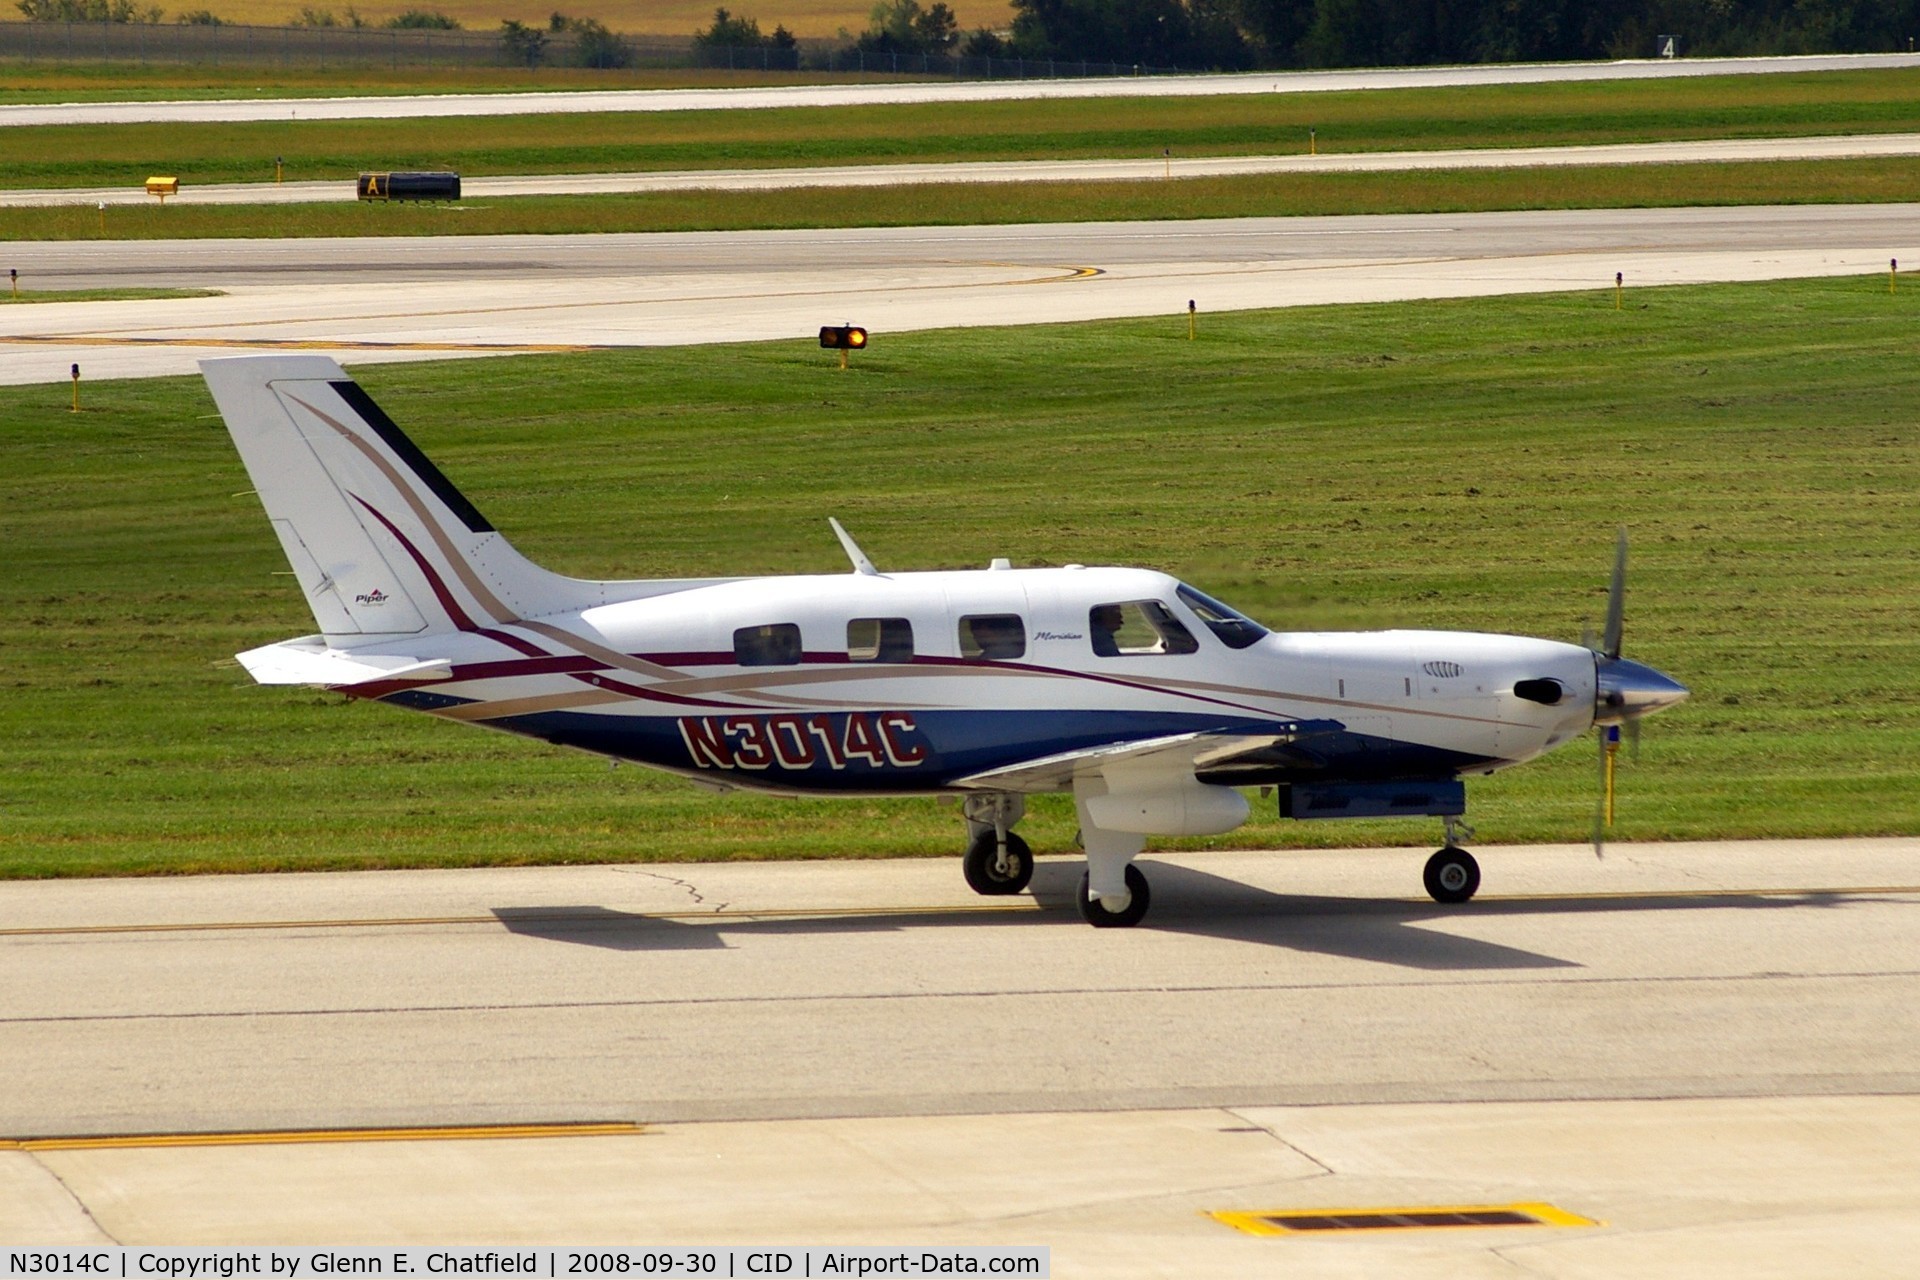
(418,462)
(440,592)
(455,558)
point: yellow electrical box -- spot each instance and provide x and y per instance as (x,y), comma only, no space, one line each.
(163,187)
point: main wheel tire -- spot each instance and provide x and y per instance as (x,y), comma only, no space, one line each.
(1099,917)
(985,875)
(1452,876)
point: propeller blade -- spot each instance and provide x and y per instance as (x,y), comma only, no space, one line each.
(1616,599)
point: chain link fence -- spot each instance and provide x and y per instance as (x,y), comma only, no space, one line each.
(230,44)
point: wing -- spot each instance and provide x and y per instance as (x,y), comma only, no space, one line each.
(1180,755)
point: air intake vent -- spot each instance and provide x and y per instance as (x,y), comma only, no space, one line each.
(1445,670)
(1547,693)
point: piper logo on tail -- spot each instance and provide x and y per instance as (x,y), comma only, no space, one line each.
(373,597)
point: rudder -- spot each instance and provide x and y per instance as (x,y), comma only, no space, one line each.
(380,540)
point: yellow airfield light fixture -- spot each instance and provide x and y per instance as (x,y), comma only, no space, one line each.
(843,338)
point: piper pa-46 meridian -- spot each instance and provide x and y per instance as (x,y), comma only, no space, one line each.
(1146,699)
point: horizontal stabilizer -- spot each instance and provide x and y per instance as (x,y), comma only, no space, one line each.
(311,661)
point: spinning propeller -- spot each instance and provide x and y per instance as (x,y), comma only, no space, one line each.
(1624,691)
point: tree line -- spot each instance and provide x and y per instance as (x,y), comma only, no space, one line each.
(1262,34)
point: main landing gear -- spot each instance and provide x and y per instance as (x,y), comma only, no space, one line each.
(1452,875)
(998,862)
(1113,892)
(997,865)
(1102,914)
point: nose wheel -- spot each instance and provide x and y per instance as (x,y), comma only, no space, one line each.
(1452,875)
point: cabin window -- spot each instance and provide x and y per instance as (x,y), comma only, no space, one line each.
(1137,626)
(993,635)
(880,640)
(1234,630)
(775,645)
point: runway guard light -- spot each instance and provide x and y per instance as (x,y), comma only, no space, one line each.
(843,337)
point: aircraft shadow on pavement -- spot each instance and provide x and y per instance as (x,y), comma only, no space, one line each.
(1186,901)
(1384,930)
(1201,905)
(610,929)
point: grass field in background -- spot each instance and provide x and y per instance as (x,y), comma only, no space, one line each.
(960,204)
(630,17)
(27,297)
(1406,119)
(1454,464)
(44,82)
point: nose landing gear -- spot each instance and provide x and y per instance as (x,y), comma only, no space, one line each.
(1452,876)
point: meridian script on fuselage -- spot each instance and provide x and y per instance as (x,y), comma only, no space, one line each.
(869,739)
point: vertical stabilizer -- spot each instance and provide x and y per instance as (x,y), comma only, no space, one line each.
(381,542)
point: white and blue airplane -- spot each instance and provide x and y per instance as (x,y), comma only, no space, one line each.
(1149,701)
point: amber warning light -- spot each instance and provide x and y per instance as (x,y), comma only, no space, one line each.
(843,337)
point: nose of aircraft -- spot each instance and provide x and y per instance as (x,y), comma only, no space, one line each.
(1626,690)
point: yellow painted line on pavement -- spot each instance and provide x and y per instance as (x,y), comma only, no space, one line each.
(296,344)
(1066,273)
(273,1137)
(1323,1222)
(1017,906)
(1881,890)
(1023,906)
(215,926)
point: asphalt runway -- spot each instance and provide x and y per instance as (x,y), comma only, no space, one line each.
(486,104)
(411,298)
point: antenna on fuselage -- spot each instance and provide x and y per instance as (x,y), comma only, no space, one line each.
(860,562)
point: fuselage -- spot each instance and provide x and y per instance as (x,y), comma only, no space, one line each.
(917,682)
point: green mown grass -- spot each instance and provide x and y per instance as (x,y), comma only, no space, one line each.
(54,82)
(1403,119)
(26,297)
(1455,464)
(1624,186)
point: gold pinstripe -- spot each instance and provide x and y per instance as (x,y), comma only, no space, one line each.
(489,603)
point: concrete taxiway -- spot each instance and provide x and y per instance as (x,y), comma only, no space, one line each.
(413,107)
(412,298)
(886,988)
(1147,169)
(1701,1048)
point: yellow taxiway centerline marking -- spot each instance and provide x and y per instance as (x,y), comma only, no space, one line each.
(591,1129)
(772,913)
(1021,907)
(1067,274)
(300,344)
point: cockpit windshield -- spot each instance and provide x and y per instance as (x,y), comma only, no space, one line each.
(1235,630)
